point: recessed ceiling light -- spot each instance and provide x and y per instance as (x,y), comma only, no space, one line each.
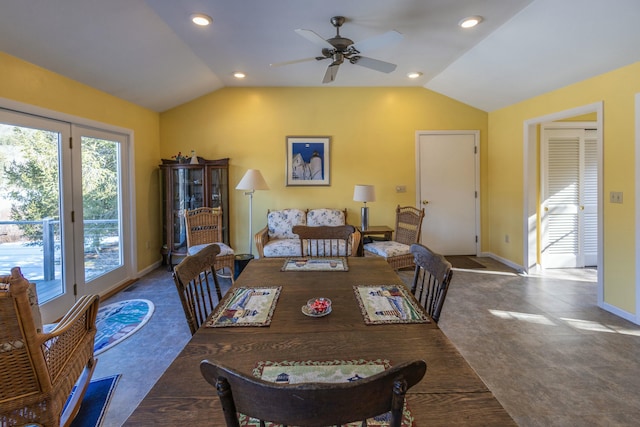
(239,75)
(201,19)
(470,21)
(414,74)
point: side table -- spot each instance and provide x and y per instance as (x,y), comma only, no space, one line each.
(240,262)
(374,230)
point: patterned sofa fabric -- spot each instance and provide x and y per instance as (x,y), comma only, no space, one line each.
(277,238)
(281,222)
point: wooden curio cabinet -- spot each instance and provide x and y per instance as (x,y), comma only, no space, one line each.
(190,186)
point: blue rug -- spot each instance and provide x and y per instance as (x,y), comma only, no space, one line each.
(95,402)
(118,321)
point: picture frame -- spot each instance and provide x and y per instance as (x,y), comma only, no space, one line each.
(308,161)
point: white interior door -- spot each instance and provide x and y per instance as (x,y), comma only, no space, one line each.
(569,198)
(447,186)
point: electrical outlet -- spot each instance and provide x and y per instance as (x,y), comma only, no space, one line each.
(615,197)
(401,188)
(506,238)
(148,244)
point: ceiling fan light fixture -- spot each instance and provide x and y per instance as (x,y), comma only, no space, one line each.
(414,74)
(201,19)
(470,21)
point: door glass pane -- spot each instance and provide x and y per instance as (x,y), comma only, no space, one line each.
(30,232)
(101,206)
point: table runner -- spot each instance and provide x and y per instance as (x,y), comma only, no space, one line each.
(330,371)
(246,307)
(383,304)
(315,264)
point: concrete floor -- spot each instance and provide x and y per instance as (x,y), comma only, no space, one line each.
(548,353)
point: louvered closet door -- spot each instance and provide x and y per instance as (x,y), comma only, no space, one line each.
(569,203)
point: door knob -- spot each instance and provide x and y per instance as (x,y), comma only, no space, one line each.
(425,202)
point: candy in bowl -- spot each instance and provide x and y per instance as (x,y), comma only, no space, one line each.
(317,307)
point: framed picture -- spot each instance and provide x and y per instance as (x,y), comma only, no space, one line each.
(308,160)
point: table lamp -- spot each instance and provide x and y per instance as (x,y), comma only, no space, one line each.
(251,181)
(364,193)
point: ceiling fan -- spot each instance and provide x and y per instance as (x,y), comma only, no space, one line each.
(339,49)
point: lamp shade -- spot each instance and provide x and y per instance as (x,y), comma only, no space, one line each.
(252,180)
(364,193)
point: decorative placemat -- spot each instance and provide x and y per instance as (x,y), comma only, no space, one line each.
(315,264)
(332,371)
(246,307)
(382,304)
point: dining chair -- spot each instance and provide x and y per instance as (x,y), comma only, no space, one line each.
(39,370)
(408,228)
(313,404)
(431,279)
(193,278)
(327,241)
(204,227)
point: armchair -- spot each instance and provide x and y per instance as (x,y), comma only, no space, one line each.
(39,370)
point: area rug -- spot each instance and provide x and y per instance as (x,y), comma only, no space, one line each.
(118,321)
(246,307)
(463,261)
(95,402)
(332,371)
(383,304)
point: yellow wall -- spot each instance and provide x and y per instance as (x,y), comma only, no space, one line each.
(372,134)
(24,82)
(617,90)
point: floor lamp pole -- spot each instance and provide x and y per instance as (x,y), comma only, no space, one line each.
(250,194)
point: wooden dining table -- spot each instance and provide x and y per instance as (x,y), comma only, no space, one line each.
(450,394)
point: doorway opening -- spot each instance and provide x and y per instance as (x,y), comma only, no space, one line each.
(532,200)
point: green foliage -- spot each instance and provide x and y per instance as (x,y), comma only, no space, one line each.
(32,178)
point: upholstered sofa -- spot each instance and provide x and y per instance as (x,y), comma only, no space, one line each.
(277,239)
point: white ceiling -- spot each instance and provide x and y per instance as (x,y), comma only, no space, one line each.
(149,53)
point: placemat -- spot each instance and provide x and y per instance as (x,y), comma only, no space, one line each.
(315,264)
(246,307)
(383,304)
(331,371)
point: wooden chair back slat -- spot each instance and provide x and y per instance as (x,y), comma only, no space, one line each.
(431,279)
(313,404)
(327,241)
(193,278)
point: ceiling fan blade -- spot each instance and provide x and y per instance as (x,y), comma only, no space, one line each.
(378,41)
(314,38)
(374,64)
(295,61)
(330,74)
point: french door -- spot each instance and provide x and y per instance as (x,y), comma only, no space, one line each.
(569,198)
(62,216)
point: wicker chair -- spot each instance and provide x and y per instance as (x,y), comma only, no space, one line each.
(431,279)
(313,404)
(408,228)
(326,241)
(39,370)
(191,277)
(204,227)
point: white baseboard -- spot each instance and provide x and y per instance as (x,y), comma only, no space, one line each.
(505,261)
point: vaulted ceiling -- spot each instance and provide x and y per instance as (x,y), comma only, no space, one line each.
(148,52)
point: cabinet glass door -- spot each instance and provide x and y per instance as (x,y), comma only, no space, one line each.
(188,193)
(219,195)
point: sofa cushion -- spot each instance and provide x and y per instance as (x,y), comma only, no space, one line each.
(328,217)
(280,248)
(388,248)
(281,222)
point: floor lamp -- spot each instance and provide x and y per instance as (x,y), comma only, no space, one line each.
(364,193)
(251,181)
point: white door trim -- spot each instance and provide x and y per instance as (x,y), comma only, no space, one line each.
(530,172)
(476,135)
